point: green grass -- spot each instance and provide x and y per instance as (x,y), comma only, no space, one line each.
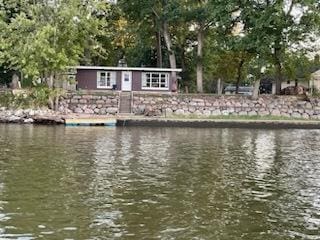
(235,117)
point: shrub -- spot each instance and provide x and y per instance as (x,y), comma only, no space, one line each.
(39,96)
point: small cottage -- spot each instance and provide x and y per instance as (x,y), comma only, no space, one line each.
(126,78)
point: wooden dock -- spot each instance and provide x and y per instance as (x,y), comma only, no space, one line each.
(109,122)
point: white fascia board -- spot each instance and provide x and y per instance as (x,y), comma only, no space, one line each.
(143,69)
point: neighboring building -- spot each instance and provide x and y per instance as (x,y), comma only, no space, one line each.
(315,80)
(291,83)
(126,78)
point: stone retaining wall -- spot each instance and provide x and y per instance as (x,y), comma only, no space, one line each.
(211,105)
(151,104)
(94,103)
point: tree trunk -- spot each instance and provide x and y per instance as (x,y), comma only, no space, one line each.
(50,81)
(56,103)
(200,38)
(256,88)
(183,58)
(239,75)
(159,50)
(172,56)
(15,83)
(219,87)
(279,77)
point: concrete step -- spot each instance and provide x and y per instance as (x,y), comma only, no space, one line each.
(125,102)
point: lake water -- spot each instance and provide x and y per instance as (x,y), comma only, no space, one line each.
(158,183)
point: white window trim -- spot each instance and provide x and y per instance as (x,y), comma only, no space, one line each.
(112,79)
(143,79)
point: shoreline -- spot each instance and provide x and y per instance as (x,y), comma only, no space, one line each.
(219,123)
(48,117)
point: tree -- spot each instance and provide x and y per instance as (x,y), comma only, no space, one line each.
(43,39)
(275,26)
(162,15)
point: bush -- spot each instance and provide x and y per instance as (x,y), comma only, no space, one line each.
(39,96)
(6,98)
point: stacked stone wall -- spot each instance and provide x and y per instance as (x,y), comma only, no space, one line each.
(211,105)
(94,103)
(151,104)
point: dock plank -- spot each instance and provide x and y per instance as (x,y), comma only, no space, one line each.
(91,122)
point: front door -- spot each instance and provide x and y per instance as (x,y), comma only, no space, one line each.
(126,81)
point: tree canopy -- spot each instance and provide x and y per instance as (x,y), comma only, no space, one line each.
(210,40)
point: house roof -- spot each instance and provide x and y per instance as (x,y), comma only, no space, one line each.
(316,73)
(145,69)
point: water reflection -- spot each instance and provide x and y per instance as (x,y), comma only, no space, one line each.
(143,183)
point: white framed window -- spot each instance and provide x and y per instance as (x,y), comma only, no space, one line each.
(106,79)
(155,81)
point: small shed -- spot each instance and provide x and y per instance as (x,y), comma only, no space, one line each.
(315,80)
(126,78)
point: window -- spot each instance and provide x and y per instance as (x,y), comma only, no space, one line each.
(155,81)
(106,79)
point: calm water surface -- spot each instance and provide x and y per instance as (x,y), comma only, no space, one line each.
(143,183)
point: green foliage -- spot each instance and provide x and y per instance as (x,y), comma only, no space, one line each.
(6,99)
(9,100)
(43,39)
(40,40)
(39,96)
(298,67)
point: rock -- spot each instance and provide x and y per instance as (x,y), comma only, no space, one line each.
(207,112)
(276,112)
(168,112)
(13,119)
(19,113)
(78,110)
(100,102)
(28,120)
(87,97)
(305,116)
(179,112)
(243,113)
(252,113)
(216,112)
(89,111)
(315,117)
(287,115)
(225,112)
(31,113)
(112,110)
(103,111)
(191,109)
(308,105)
(199,100)
(197,112)
(48,120)
(296,115)
(140,109)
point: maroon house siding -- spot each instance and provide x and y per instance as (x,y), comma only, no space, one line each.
(87,80)
(118,74)
(136,81)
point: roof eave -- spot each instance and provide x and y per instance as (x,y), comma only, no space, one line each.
(128,68)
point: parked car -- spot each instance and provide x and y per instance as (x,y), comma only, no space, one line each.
(244,90)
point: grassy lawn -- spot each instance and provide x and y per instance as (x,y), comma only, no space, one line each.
(234,117)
